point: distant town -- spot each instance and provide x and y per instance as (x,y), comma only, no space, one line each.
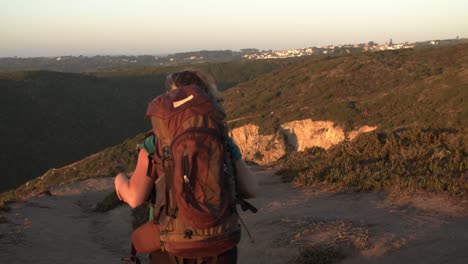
(330,49)
(92,63)
(371,46)
(340,49)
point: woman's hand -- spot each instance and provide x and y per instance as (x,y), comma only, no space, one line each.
(135,190)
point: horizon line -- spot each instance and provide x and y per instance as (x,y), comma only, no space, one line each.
(188,51)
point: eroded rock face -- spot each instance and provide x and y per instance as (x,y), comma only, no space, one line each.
(306,133)
(262,149)
(293,136)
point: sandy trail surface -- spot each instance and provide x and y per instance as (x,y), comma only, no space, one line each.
(361,227)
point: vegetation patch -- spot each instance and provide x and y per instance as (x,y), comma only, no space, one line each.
(109,202)
(433,160)
(258,155)
(322,241)
(5,198)
(318,254)
(333,234)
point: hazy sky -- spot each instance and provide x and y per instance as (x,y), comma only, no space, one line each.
(89,27)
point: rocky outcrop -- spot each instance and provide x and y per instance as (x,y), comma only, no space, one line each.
(292,136)
(306,133)
(262,149)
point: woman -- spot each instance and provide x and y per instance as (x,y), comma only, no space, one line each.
(135,190)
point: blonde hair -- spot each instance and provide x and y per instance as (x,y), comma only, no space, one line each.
(204,81)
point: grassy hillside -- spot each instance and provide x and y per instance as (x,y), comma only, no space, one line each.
(50,119)
(388,89)
(434,160)
(416,98)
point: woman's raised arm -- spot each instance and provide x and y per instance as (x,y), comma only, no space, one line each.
(135,190)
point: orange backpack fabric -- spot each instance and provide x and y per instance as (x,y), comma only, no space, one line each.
(145,238)
(195,204)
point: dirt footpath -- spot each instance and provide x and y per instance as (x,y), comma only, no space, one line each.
(62,228)
(361,227)
(354,227)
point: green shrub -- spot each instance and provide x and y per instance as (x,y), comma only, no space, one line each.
(416,159)
(258,155)
(6,198)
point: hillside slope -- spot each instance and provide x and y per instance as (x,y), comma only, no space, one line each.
(50,119)
(390,90)
(385,89)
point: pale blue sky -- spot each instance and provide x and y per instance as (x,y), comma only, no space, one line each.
(88,27)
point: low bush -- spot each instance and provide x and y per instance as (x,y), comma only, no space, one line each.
(432,160)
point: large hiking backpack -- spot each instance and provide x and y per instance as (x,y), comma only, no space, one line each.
(195,190)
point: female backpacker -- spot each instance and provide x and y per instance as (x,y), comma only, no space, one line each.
(199,176)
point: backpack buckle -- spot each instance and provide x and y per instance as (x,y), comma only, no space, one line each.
(188,234)
(166,153)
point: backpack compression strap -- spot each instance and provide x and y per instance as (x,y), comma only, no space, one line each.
(133,257)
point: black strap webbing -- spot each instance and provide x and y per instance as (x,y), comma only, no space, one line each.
(133,258)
